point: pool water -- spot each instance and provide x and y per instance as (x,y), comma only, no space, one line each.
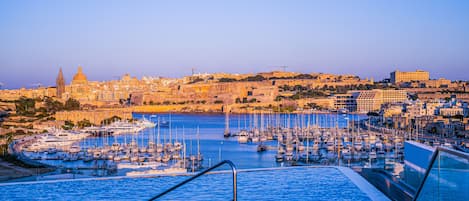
(296,183)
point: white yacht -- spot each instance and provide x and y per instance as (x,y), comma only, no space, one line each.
(146,123)
(243,137)
(69,135)
(120,127)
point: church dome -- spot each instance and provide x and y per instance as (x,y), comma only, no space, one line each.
(79,76)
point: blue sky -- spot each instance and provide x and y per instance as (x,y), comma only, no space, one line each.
(168,38)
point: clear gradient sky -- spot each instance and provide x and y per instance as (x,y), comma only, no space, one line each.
(168,38)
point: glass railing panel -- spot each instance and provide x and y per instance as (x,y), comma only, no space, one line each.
(448,179)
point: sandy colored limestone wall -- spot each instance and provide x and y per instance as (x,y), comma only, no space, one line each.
(94,116)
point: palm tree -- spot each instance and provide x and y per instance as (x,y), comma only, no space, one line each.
(4,147)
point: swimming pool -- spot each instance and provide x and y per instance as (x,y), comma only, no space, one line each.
(294,183)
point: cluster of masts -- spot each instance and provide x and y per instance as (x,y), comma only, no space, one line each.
(136,151)
(300,140)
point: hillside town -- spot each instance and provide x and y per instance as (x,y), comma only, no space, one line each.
(404,100)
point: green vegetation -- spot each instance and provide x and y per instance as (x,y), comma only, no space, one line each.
(305,76)
(52,106)
(301,92)
(309,94)
(4,147)
(201,102)
(68,125)
(284,108)
(72,104)
(256,78)
(196,80)
(25,106)
(84,123)
(110,120)
(227,80)
(313,106)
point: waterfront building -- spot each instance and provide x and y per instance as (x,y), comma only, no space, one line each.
(372,100)
(346,101)
(418,75)
(368,100)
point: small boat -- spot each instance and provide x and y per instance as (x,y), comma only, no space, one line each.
(261,148)
(279,157)
(75,149)
(243,137)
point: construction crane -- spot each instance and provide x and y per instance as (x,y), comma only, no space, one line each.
(193,71)
(284,68)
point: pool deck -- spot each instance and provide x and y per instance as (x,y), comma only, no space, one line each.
(373,193)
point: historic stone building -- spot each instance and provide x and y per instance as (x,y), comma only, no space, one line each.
(418,75)
(60,84)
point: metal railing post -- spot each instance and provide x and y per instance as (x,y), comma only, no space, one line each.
(233,170)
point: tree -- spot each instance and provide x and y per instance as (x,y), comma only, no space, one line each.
(314,106)
(253,100)
(110,120)
(9,139)
(68,125)
(84,123)
(72,104)
(224,79)
(256,78)
(304,76)
(25,106)
(52,106)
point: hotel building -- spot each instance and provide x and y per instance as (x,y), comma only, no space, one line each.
(419,75)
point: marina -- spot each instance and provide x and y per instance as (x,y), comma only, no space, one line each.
(194,142)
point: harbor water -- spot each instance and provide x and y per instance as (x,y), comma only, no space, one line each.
(213,146)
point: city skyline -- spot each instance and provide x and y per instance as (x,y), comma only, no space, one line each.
(169,39)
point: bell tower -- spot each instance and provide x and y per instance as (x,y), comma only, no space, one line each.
(60,83)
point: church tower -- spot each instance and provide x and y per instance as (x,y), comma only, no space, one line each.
(60,83)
